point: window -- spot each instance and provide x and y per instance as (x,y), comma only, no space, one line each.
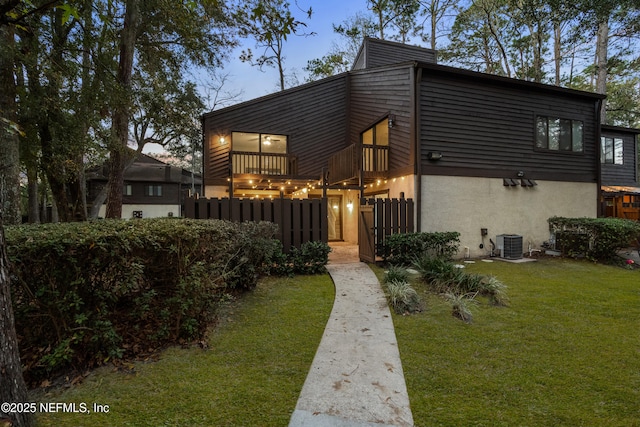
(153,190)
(557,134)
(612,151)
(127,190)
(375,141)
(259,153)
(259,142)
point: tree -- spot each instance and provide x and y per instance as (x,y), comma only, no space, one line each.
(270,23)
(9,141)
(12,386)
(165,36)
(435,12)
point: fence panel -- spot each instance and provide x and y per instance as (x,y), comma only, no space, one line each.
(390,216)
(298,220)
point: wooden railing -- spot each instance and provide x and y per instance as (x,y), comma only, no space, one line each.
(245,162)
(375,158)
(346,164)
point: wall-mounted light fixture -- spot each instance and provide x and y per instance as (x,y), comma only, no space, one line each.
(392,120)
(350,205)
(222,140)
(434,155)
(520,174)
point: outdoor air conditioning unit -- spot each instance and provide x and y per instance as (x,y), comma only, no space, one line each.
(509,246)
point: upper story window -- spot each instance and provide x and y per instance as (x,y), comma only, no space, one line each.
(153,190)
(259,142)
(375,147)
(612,151)
(557,134)
(127,190)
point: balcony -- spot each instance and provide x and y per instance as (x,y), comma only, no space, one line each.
(345,165)
(252,163)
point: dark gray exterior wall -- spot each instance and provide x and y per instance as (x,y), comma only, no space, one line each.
(314,117)
(377,53)
(486,127)
(374,95)
(627,173)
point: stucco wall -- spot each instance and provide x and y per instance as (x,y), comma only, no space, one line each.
(148,211)
(466,205)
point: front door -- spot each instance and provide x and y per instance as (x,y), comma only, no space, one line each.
(334,217)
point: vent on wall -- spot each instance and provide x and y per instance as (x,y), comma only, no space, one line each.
(509,246)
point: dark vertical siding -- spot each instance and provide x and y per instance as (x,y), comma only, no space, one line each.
(377,53)
(375,94)
(485,127)
(625,174)
(313,116)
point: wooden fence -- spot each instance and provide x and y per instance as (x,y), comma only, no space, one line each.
(389,216)
(298,220)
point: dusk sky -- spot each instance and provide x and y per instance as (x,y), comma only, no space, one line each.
(298,50)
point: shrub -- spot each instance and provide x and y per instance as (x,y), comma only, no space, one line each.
(86,293)
(402,249)
(402,297)
(461,305)
(434,271)
(311,258)
(599,239)
(396,273)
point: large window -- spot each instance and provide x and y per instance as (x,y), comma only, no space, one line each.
(259,142)
(557,134)
(612,150)
(375,142)
(259,153)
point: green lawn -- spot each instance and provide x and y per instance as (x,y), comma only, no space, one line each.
(251,374)
(566,352)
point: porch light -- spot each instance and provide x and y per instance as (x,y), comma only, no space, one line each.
(350,205)
(392,120)
(434,155)
(222,140)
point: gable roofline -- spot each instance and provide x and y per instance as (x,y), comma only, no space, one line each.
(364,46)
(620,129)
(508,81)
(274,95)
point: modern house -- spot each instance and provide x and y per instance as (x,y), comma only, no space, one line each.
(480,154)
(620,182)
(151,189)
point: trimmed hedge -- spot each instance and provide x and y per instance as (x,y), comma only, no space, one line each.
(598,239)
(403,249)
(87,293)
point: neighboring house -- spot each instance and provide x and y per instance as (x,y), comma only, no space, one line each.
(475,151)
(619,170)
(151,188)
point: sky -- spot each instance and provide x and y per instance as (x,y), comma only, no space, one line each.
(298,49)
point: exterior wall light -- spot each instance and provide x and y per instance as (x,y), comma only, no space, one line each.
(222,140)
(350,205)
(434,155)
(392,120)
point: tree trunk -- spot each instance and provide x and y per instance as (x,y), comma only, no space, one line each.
(120,125)
(32,190)
(601,63)
(9,141)
(12,386)
(557,52)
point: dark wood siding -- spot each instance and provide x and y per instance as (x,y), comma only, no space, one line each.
(375,94)
(625,174)
(314,117)
(377,53)
(486,127)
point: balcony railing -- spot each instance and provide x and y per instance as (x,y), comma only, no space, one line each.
(345,165)
(245,162)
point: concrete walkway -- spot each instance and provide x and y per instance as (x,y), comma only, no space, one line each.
(356,378)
